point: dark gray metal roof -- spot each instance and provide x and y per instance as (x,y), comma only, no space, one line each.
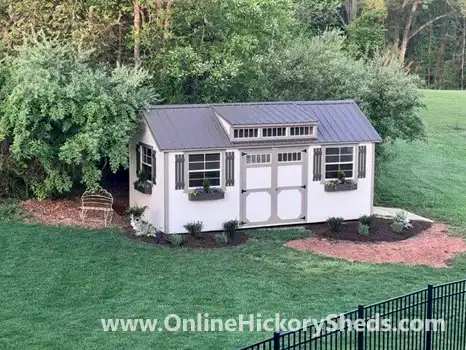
(263,113)
(185,127)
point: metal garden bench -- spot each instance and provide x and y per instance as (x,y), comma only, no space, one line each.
(100,201)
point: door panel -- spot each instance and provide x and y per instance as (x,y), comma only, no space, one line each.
(273,186)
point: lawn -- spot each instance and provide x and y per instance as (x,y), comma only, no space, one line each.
(56,283)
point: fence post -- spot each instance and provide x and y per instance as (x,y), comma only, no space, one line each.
(276,341)
(361,333)
(429,316)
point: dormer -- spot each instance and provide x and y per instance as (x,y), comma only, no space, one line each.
(264,121)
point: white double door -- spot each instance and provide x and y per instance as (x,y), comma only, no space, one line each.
(273,186)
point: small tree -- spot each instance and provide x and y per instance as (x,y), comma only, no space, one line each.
(67,115)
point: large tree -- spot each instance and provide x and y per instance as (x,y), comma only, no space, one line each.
(65,115)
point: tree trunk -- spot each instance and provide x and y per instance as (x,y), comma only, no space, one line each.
(407,29)
(441,54)
(351,7)
(137,32)
(120,39)
(462,52)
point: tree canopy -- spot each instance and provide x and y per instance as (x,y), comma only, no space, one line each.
(77,73)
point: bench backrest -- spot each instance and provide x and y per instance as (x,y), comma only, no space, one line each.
(100,199)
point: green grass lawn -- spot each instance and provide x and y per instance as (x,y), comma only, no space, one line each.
(430,177)
(56,283)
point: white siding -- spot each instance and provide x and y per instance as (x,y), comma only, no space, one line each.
(155,202)
(347,204)
(211,213)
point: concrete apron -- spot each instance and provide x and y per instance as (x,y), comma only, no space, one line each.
(391,213)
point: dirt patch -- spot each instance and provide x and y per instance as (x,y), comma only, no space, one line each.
(207,240)
(432,247)
(380,231)
(66,212)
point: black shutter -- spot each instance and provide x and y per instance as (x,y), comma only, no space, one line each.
(362,162)
(230,169)
(317,164)
(179,172)
(138,159)
(154,168)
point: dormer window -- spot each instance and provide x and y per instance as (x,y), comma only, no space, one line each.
(301,130)
(271,132)
(245,133)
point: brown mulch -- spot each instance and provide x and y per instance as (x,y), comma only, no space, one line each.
(432,247)
(207,240)
(380,231)
(66,212)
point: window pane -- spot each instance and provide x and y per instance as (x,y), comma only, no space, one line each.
(195,182)
(347,158)
(196,166)
(332,150)
(332,167)
(332,159)
(212,174)
(197,175)
(347,150)
(346,166)
(212,165)
(235,134)
(331,174)
(212,156)
(196,157)
(147,169)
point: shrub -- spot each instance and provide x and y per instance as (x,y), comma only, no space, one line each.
(194,228)
(364,229)
(135,211)
(221,238)
(334,223)
(397,226)
(175,240)
(142,227)
(367,220)
(229,228)
(400,222)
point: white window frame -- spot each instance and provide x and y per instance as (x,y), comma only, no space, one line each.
(142,160)
(261,129)
(287,161)
(188,171)
(325,163)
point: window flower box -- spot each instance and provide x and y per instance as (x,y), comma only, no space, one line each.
(339,186)
(199,194)
(143,187)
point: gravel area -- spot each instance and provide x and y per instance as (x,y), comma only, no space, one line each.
(433,247)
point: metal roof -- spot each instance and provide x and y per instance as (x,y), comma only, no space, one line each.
(191,127)
(263,113)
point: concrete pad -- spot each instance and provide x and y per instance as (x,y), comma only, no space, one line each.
(387,212)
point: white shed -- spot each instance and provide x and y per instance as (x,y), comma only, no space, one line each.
(264,164)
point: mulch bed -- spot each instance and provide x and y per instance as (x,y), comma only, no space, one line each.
(207,240)
(432,247)
(380,231)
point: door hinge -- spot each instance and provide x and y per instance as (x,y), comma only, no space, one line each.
(242,191)
(243,153)
(242,223)
(304,150)
(303,186)
(302,218)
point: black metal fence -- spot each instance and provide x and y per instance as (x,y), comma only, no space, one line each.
(445,302)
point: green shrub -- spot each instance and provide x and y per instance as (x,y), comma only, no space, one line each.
(194,228)
(10,209)
(364,229)
(221,238)
(367,220)
(397,226)
(334,223)
(229,228)
(135,211)
(175,240)
(400,222)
